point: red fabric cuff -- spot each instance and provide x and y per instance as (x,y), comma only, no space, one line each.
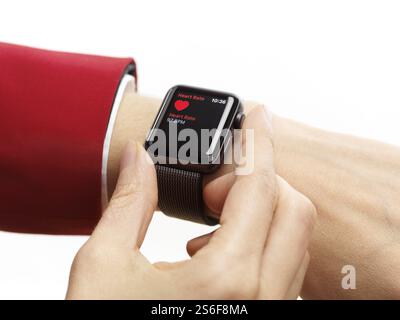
(55,108)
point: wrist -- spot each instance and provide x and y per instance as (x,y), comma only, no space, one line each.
(134,118)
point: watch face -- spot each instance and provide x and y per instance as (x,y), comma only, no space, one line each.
(192,128)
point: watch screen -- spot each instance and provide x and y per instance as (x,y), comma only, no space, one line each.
(194,122)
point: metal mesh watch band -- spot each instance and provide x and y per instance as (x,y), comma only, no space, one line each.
(180,194)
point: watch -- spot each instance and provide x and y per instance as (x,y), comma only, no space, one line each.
(188,139)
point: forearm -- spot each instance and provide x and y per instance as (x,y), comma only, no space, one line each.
(355,185)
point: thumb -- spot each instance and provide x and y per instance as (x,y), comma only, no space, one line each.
(128,215)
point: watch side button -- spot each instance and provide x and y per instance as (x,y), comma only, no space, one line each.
(239,120)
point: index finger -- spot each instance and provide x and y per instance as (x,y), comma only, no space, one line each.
(249,206)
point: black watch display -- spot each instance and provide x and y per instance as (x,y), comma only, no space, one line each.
(188,139)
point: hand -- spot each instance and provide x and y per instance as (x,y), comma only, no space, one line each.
(259,251)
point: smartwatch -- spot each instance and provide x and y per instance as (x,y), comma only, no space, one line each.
(189,138)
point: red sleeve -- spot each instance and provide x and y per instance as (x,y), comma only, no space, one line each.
(54,110)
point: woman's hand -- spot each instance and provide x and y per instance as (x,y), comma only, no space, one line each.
(259,251)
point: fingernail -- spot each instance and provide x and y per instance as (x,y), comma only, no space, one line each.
(129,157)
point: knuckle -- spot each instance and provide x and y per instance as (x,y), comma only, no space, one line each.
(89,256)
(263,179)
(306,212)
(95,255)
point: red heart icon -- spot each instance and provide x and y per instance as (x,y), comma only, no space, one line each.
(181,105)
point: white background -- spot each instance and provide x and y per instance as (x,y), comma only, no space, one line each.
(332,64)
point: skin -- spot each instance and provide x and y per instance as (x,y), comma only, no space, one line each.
(274,218)
(353,182)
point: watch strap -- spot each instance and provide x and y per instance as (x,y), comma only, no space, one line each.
(180,194)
